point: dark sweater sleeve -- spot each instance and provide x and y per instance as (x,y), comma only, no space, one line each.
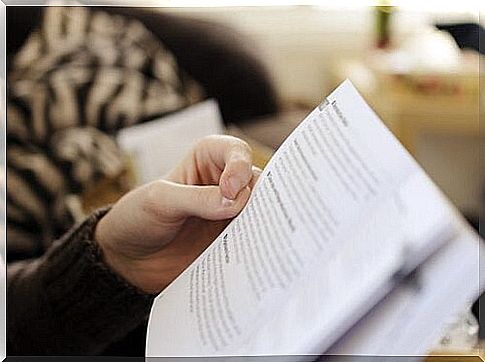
(68,302)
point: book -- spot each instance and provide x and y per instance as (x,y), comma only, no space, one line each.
(344,247)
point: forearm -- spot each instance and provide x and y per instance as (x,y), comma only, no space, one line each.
(69,302)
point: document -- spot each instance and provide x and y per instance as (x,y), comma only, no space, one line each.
(339,218)
(412,318)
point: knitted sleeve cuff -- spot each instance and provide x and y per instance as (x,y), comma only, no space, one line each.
(76,302)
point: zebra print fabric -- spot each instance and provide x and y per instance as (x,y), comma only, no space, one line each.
(77,80)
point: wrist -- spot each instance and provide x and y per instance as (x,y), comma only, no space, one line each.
(121,264)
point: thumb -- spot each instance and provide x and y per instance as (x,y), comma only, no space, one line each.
(205,202)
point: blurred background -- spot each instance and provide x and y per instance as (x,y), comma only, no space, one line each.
(103,98)
(416,77)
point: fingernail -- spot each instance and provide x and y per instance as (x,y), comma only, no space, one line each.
(234,185)
(227,202)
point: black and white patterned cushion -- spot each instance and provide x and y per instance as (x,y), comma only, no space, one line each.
(78,79)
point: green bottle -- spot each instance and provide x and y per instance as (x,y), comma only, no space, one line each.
(383,15)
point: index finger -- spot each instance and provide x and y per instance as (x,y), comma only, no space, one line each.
(234,157)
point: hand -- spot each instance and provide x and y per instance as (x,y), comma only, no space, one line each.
(156,231)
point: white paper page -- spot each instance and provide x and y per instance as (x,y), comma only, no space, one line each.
(413,317)
(314,249)
(360,273)
(159,145)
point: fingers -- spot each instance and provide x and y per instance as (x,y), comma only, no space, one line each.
(208,202)
(231,155)
(171,200)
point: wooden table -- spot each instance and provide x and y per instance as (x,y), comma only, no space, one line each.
(413,103)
